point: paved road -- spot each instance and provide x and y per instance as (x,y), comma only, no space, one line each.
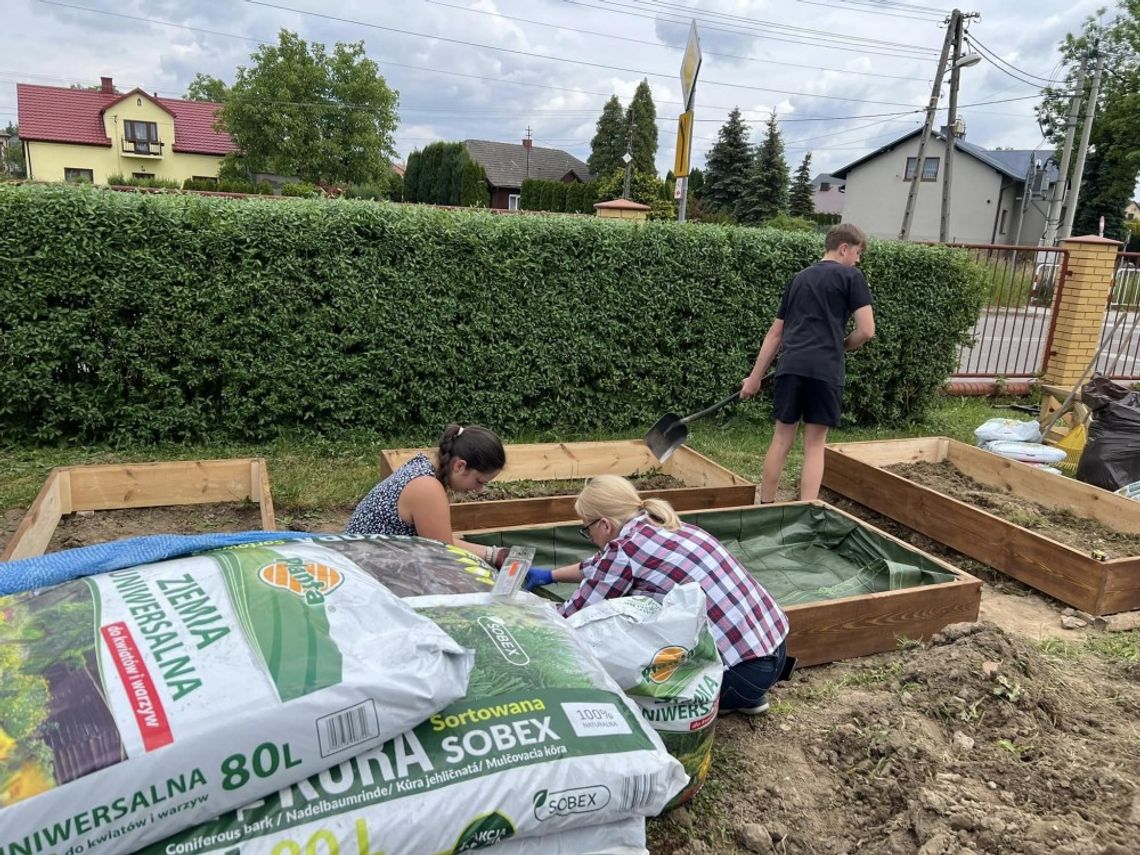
(1012,343)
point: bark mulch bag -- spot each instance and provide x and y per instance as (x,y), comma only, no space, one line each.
(146,700)
(1111,456)
(664,657)
(544,743)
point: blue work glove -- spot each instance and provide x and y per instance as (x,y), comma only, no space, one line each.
(536,577)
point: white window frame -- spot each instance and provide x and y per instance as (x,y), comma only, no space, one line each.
(513,201)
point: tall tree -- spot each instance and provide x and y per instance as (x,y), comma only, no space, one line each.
(766,193)
(643,114)
(727,165)
(801,201)
(206,88)
(301,111)
(15,163)
(608,144)
(696,182)
(1113,160)
(443,173)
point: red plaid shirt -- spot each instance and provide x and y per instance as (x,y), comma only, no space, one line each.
(647,559)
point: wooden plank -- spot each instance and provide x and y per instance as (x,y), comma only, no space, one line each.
(259,482)
(1038,561)
(141,485)
(888,452)
(552,461)
(34,533)
(507,513)
(1082,499)
(696,470)
(831,630)
(1121,589)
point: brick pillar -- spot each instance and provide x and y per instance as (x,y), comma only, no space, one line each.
(1084,302)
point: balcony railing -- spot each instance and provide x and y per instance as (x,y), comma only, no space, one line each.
(142,148)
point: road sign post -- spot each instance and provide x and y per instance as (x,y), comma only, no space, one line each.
(690,68)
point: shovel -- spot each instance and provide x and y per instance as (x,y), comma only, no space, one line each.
(671,430)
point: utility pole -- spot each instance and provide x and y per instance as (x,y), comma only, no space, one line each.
(931,109)
(952,120)
(1053,219)
(1082,150)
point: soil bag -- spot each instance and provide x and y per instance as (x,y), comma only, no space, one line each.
(664,657)
(1111,457)
(146,700)
(1027,452)
(544,743)
(1012,430)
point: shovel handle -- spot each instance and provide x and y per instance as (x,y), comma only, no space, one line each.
(735,396)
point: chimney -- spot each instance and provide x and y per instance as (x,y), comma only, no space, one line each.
(106,85)
(527,142)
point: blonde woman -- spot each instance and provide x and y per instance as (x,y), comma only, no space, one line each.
(644,548)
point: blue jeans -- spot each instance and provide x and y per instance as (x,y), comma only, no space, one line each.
(745,684)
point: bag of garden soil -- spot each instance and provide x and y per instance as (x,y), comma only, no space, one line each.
(543,743)
(146,700)
(664,657)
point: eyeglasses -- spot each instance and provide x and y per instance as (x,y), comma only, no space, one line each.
(584,530)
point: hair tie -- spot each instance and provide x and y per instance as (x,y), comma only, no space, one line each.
(641,504)
(460,433)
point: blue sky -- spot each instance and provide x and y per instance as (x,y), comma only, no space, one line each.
(844,76)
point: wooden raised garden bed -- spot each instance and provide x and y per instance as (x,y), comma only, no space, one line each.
(822,630)
(706,484)
(1073,575)
(139,485)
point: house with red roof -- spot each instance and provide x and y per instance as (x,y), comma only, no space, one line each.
(89,135)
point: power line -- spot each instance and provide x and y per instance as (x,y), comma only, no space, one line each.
(744,20)
(993,62)
(878,10)
(814,38)
(982,48)
(533,55)
(632,40)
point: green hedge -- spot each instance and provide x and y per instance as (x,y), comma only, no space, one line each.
(137,317)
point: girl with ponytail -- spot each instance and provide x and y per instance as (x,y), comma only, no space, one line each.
(412,501)
(644,548)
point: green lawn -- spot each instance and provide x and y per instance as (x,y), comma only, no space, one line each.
(315,473)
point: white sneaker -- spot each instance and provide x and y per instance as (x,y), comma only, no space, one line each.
(759,709)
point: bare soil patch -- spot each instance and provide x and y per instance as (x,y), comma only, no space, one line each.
(653,479)
(976,742)
(1060,524)
(87,528)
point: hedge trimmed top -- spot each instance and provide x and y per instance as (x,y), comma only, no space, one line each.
(134,317)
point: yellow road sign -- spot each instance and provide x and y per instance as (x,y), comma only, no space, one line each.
(690,66)
(684,144)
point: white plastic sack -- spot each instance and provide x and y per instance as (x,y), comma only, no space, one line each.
(1012,430)
(544,743)
(616,838)
(1028,452)
(144,701)
(664,657)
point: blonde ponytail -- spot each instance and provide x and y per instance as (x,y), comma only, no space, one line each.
(662,513)
(613,498)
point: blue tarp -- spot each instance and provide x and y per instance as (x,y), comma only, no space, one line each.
(29,574)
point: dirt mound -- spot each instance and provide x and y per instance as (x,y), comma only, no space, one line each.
(976,742)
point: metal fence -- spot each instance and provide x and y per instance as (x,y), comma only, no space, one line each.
(1120,358)
(1014,332)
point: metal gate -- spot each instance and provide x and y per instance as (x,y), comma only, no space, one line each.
(1120,358)
(1014,332)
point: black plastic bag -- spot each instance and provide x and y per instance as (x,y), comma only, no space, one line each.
(1111,457)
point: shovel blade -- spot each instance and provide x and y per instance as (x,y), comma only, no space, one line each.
(666,436)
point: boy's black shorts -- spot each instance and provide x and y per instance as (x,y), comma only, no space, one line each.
(815,402)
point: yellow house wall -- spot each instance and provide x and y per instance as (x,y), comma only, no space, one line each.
(47,161)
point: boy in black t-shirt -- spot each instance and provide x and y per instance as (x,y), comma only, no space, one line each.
(810,326)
